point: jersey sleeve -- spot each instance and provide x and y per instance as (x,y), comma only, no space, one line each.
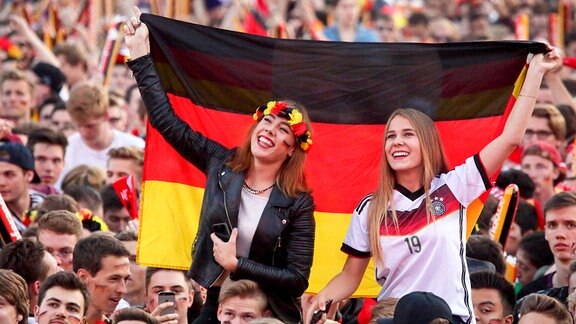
(468,181)
(357,241)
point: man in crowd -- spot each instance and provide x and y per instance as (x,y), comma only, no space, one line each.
(63,299)
(176,281)
(59,231)
(241,301)
(102,263)
(115,215)
(17,100)
(125,161)
(73,62)
(493,298)
(560,232)
(135,288)
(16,174)
(48,148)
(95,137)
(29,259)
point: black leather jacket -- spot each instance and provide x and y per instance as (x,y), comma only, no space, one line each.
(283,244)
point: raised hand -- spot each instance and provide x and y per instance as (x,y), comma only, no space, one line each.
(136,35)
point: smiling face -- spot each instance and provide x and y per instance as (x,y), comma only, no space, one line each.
(402,147)
(272,140)
(108,285)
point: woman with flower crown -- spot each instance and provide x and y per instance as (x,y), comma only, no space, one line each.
(256,191)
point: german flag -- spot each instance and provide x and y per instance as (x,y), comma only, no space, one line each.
(215,79)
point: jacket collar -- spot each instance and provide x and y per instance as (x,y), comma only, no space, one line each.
(278,199)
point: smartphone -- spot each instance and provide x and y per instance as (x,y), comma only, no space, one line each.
(318,313)
(222,231)
(167,296)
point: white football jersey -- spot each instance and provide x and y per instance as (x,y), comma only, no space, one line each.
(425,254)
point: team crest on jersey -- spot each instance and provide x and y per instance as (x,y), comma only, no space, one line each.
(438,207)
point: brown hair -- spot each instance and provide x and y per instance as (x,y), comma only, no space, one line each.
(26,258)
(17,75)
(559,201)
(150,271)
(547,306)
(133,314)
(73,54)
(87,100)
(61,222)
(84,175)
(67,281)
(14,289)
(47,136)
(291,178)
(56,202)
(244,289)
(434,161)
(89,252)
(556,121)
(384,309)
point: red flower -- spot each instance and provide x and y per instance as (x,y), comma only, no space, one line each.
(299,129)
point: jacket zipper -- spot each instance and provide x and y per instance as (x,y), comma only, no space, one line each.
(278,244)
(229,223)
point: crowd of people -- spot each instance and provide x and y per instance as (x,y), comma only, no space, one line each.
(73,118)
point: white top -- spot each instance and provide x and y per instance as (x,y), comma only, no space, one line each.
(422,255)
(78,153)
(249,214)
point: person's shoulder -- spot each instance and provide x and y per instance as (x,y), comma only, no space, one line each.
(366,35)
(364,203)
(126,139)
(74,139)
(537,285)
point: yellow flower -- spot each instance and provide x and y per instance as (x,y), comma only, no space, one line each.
(269,106)
(295,117)
(255,116)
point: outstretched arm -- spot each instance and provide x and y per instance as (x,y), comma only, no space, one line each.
(496,152)
(341,286)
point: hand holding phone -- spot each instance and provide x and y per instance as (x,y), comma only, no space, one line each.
(317,315)
(164,297)
(222,231)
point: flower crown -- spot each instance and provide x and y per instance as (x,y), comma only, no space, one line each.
(294,118)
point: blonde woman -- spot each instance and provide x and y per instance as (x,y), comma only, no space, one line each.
(413,226)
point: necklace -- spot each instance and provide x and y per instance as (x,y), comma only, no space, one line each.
(253,191)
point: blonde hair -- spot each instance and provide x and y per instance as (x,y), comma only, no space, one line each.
(547,306)
(384,309)
(291,178)
(87,100)
(434,162)
(127,153)
(84,175)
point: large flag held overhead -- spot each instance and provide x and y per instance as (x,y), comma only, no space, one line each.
(216,78)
